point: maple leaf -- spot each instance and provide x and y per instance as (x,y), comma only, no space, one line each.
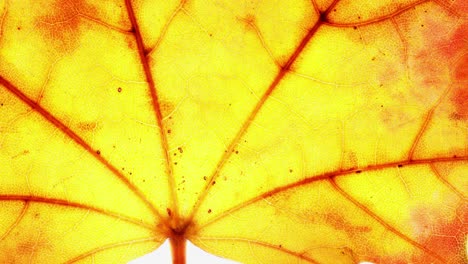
(262,131)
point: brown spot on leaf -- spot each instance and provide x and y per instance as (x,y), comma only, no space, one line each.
(87,126)
(62,24)
(248,21)
(166,108)
(25,248)
(441,234)
(459,100)
(452,46)
(461,70)
(339,222)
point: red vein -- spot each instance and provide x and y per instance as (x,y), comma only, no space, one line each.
(383,222)
(404,42)
(17,221)
(104,24)
(111,246)
(251,23)
(447,183)
(425,124)
(77,139)
(166,27)
(156,106)
(316,7)
(59,202)
(378,19)
(264,244)
(321,177)
(2,20)
(279,77)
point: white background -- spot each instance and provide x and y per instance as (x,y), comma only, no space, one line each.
(194,256)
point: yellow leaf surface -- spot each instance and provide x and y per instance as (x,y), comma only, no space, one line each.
(300,131)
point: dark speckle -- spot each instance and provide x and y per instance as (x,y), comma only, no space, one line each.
(181,150)
(204,178)
(168,131)
(400,165)
(209,211)
(323,17)
(355,27)
(169,212)
(213,183)
(358,171)
(98,152)
(290,170)
(119,89)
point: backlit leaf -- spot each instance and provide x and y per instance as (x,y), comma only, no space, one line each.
(301,131)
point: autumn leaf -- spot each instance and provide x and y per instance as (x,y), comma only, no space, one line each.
(261,131)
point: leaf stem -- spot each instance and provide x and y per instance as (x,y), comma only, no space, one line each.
(178,244)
